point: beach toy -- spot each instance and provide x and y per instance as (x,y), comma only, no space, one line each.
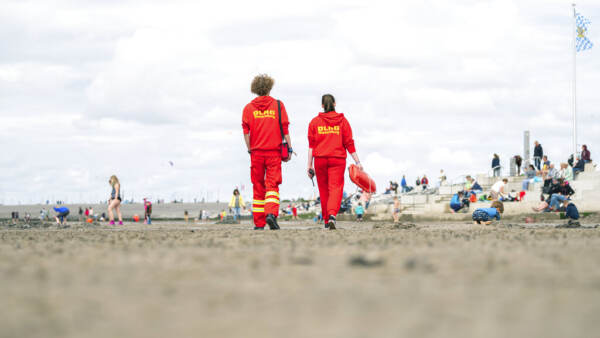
(361,179)
(136,218)
(89,220)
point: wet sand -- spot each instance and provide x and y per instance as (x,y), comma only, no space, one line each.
(364,280)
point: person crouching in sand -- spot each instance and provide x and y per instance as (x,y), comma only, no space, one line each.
(572,214)
(115,200)
(329,137)
(61,215)
(486,215)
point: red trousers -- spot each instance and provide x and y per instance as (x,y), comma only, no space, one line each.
(330,178)
(265,173)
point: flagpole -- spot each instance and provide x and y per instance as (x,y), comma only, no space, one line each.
(574,107)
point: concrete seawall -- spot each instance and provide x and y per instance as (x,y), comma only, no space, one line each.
(436,206)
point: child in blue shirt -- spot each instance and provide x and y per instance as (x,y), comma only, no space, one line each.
(486,215)
(572,213)
(359,211)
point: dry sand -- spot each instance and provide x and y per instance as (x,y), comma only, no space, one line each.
(364,280)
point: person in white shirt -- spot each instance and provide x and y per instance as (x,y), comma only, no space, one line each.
(498,189)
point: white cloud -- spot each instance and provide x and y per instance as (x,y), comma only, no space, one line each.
(88,90)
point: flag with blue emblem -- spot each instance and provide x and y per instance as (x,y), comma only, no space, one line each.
(582,42)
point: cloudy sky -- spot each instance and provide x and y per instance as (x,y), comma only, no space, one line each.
(92,88)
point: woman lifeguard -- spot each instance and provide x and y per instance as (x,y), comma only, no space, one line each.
(329,137)
(115,200)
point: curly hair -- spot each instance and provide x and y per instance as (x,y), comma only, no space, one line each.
(262,84)
(499,205)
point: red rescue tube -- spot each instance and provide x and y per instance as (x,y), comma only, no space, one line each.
(361,179)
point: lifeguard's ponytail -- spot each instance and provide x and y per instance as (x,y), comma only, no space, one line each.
(328,102)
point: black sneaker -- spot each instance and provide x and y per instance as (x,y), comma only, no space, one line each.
(331,223)
(259,228)
(272,222)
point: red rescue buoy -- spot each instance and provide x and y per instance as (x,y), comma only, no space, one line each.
(361,179)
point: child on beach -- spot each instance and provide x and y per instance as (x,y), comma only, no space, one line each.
(396,209)
(572,213)
(359,211)
(486,215)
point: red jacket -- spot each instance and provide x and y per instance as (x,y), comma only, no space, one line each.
(261,121)
(330,135)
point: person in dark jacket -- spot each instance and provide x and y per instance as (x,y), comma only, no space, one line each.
(553,188)
(496,165)
(564,193)
(518,162)
(585,154)
(538,153)
(579,166)
(572,214)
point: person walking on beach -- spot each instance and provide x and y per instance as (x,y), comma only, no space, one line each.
(496,165)
(264,121)
(538,153)
(236,203)
(329,137)
(115,200)
(147,211)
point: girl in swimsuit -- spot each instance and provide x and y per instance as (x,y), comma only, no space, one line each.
(115,200)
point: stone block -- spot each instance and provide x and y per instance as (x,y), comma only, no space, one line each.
(589,167)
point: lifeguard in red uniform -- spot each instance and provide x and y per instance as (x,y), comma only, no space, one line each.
(329,137)
(263,135)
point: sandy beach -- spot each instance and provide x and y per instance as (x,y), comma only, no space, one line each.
(364,280)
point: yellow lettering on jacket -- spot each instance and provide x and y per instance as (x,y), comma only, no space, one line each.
(264,114)
(323,130)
